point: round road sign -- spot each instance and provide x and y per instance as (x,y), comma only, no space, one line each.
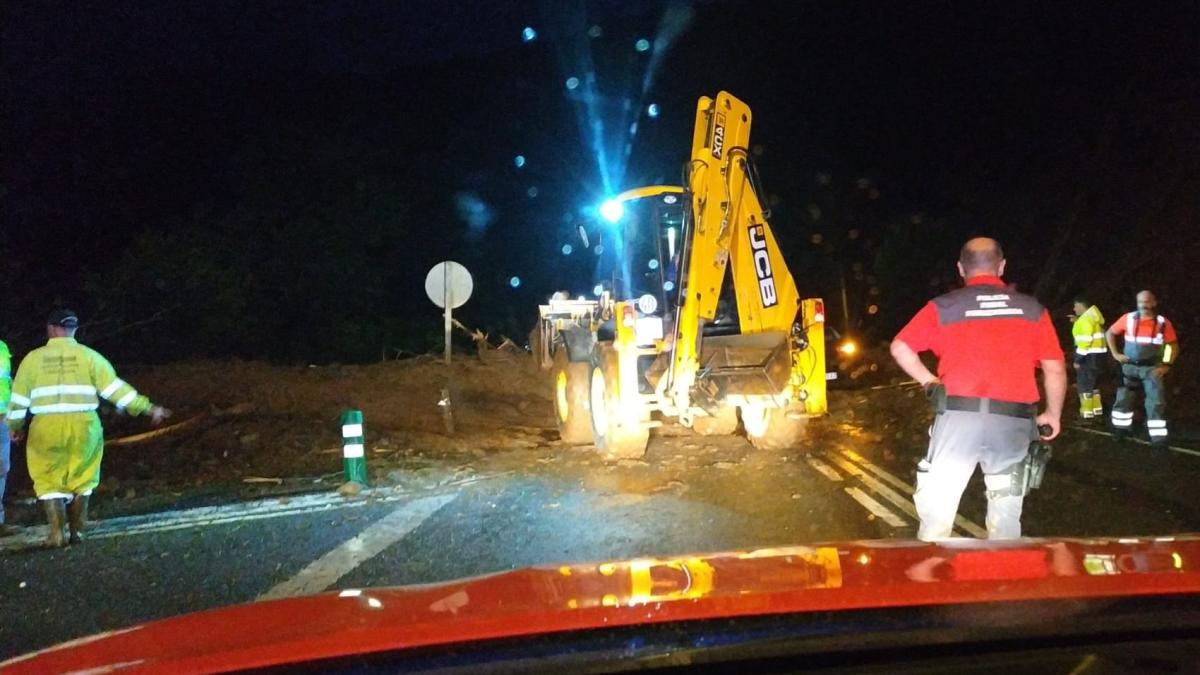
(449,280)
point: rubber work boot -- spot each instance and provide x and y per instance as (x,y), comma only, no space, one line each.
(55,516)
(77,515)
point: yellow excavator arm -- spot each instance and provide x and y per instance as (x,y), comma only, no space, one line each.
(730,226)
(729,229)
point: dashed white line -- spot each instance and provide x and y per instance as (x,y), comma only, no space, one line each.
(876,486)
(326,570)
(825,469)
(874,477)
(875,507)
(887,476)
(959,521)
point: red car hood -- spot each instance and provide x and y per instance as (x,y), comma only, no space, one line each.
(548,599)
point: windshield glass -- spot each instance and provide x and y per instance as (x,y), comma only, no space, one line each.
(640,253)
(571,315)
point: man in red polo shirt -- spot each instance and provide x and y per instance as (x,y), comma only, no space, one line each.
(988,340)
(1151,347)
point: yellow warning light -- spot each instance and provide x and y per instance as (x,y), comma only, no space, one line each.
(864,559)
(1178,560)
(849,348)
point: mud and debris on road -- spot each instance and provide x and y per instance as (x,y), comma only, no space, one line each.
(251,429)
(507,478)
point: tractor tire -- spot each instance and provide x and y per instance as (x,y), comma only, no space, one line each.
(571,399)
(617,431)
(723,423)
(772,428)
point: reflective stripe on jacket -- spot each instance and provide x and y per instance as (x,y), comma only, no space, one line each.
(1088,331)
(67,377)
(1144,349)
(5,377)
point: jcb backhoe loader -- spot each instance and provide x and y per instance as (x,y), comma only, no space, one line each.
(710,326)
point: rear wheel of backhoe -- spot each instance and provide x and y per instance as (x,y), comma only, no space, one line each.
(571,399)
(723,423)
(617,430)
(772,428)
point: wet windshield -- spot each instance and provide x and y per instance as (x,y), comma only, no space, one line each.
(638,306)
(641,253)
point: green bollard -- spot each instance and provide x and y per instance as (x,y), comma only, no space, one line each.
(353,445)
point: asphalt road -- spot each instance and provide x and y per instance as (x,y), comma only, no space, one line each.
(545,505)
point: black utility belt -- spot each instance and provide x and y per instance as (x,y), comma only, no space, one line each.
(991,406)
(1144,363)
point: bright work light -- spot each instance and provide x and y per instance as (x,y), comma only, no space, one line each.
(612,210)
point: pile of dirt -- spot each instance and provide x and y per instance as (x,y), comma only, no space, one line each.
(260,427)
(393,395)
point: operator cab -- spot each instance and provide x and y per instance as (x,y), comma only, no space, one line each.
(641,244)
(640,252)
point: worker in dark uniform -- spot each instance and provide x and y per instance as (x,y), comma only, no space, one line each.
(1150,350)
(988,340)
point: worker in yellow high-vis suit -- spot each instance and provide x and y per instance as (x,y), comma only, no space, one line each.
(60,385)
(1090,351)
(5,446)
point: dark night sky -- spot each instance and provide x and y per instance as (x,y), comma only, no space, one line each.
(1012,118)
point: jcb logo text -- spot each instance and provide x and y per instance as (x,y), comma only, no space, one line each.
(762,266)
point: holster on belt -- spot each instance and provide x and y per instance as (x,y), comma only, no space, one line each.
(936,395)
(1026,474)
(1035,465)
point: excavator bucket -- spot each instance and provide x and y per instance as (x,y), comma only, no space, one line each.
(745,365)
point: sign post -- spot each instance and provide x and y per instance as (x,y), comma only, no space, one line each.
(449,286)
(446,297)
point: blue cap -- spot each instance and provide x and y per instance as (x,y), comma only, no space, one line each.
(64,318)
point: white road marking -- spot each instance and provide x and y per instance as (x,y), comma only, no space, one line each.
(876,486)
(875,507)
(1176,448)
(879,471)
(825,469)
(905,504)
(326,570)
(273,507)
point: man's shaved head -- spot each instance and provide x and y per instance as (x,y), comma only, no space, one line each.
(981,255)
(1147,303)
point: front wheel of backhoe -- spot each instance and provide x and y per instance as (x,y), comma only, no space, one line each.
(617,430)
(571,399)
(772,428)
